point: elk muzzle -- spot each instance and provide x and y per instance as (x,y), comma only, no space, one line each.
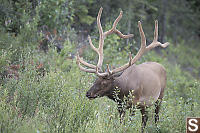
(91,93)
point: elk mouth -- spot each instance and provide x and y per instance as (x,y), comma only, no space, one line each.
(92,97)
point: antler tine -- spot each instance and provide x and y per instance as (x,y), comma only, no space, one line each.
(91,44)
(130,58)
(108,69)
(117,20)
(142,35)
(82,68)
(122,35)
(114,28)
(101,39)
(117,31)
(142,46)
(84,63)
(155,42)
(156,31)
(86,70)
(99,22)
(101,74)
(122,68)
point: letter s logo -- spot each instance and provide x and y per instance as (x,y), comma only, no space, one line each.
(193,123)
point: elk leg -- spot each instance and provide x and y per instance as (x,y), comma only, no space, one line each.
(157,109)
(144,117)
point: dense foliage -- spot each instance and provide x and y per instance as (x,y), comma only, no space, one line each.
(41,88)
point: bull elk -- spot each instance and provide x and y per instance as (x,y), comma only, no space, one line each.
(145,82)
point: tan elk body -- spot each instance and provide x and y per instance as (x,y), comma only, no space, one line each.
(146,81)
(135,85)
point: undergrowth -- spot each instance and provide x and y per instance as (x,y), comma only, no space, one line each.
(52,99)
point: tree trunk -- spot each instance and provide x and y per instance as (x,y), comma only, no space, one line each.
(129,21)
(163,20)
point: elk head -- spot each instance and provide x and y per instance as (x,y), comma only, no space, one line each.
(104,84)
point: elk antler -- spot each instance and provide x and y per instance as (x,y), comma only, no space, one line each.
(99,50)
(143,47)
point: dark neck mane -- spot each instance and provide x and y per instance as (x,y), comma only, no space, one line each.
(115,93)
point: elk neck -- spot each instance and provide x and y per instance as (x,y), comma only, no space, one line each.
(117,92)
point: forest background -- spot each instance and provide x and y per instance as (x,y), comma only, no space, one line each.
(41,88)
